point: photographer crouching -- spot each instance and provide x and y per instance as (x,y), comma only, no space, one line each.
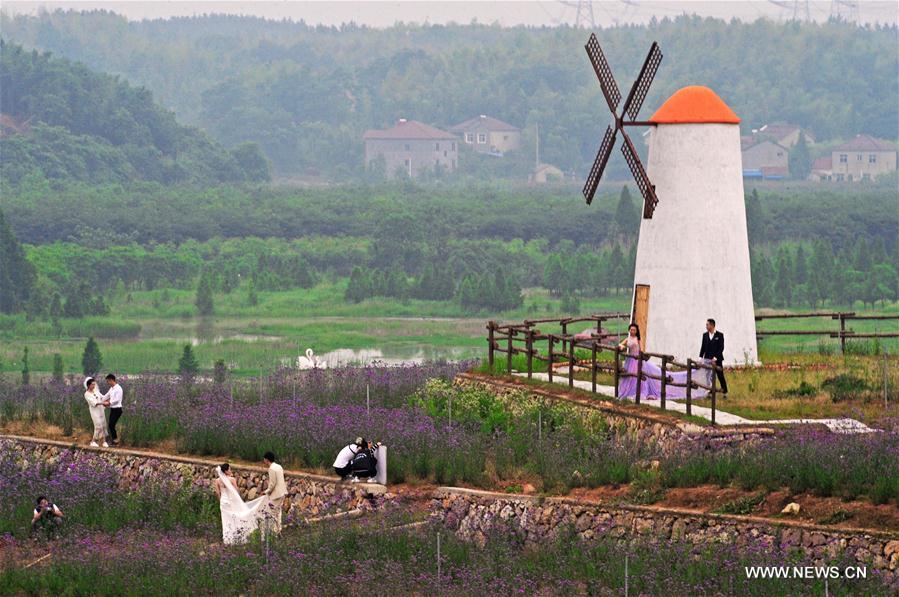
(47,517)
(358,461)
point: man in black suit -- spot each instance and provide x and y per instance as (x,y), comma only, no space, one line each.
(713,349)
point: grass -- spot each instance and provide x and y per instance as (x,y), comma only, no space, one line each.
(146,330)
(760,394)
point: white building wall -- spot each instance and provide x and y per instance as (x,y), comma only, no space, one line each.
(694,252)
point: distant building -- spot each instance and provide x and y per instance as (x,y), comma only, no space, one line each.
(766,159)
(488,135)
(411,147)
(782,133)
(862,158)
(546,173)
(822,169)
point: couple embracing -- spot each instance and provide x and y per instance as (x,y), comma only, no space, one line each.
(240,518)
(97,402)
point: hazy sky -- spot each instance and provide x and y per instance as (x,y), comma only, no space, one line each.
(384,14)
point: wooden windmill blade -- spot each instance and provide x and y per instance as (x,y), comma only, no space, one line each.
(603,73)
(647,189)
(640,88)
(631,108)
(599,164)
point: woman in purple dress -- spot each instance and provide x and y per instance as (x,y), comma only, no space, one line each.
(651,387)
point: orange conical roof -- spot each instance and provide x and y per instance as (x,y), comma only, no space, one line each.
(694,104)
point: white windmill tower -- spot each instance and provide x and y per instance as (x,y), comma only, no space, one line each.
(693,256)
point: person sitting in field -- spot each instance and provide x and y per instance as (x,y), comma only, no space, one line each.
(46,517)
(343,464)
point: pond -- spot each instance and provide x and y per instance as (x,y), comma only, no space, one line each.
(400,355)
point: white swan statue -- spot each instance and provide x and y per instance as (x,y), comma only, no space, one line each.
(310,361)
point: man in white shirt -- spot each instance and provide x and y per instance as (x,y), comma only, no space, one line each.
(114,395)
(343,463)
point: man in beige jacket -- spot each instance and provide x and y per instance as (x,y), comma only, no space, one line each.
(275,491)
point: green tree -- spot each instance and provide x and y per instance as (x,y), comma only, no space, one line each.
(17,274)
(783,287)
(77,301)
(627,216)
(203,301)
(188,367)
(467,293)
(554,274)
(800,161)
(58,369)
(755,219)
(882,283)
(26,371)
(358,288)
(91,359)
(252,162)
(800,265)
(252,297)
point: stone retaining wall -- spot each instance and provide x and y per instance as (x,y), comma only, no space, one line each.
(642,424)
(308,495)
(473,515)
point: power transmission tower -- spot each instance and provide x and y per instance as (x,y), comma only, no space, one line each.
(845,8)
(583,12)
(798,9)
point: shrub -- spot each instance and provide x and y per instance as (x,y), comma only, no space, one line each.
(845,387)
(803,390)
(743,506)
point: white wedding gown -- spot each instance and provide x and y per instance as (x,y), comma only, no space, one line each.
(239,518)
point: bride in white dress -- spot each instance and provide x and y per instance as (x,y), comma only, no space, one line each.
(239,518)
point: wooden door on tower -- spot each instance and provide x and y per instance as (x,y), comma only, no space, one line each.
(640,313)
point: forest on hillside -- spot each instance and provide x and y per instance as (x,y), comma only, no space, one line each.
(305,94)
(65,122)
(476,246)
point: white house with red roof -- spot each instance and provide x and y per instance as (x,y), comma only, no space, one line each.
(486,134)
(410,147)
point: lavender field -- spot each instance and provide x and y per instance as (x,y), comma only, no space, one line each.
(437,433)
(177,550)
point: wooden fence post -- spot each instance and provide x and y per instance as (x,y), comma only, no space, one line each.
(491,326)
(639,376)
(530,348)
(570,363)
(664,381)
(564,333)
(593,366)
(842,333)
(617,368)
(509,353)
(689,387)
(549,369)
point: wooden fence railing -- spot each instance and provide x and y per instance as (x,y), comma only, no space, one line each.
(512,339)
(841,333)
